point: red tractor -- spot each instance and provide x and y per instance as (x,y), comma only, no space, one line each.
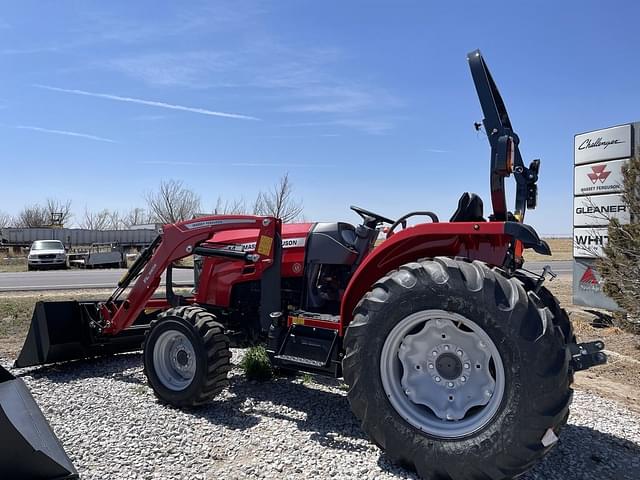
(459,363)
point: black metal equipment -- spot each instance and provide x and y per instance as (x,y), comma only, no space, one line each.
(63,331)
(505,154)
(28,447)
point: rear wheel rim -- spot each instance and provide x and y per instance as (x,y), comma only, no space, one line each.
(442,373)
(174,360)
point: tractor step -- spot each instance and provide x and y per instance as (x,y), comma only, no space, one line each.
(300,361)
(309,348)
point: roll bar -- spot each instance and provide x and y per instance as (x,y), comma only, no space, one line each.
(505,153)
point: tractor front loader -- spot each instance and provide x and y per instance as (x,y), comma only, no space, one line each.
(459,362)
(28,447)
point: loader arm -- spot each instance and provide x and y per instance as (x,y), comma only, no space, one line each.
(177,241)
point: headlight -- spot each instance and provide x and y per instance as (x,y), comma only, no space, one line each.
(31,257)
(61,255)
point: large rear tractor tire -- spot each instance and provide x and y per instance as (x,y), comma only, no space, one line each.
(186,356)
(457,371)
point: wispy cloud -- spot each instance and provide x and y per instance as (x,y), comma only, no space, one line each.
(437,150)
(185,69)
(29,50)
(151,103)
(311,135)
(236,164)
(66,132)
(171,162)
(366,125)
(283,165)
(150,118)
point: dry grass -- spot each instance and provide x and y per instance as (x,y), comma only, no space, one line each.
(561,249)
(16,312)
(13,264)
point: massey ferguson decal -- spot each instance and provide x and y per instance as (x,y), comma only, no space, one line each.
(286,243)
(589,242)
(604,144)
(210,223)
(595,178)
(598,210)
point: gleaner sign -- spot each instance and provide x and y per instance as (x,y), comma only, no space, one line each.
(598,210)
(604,144)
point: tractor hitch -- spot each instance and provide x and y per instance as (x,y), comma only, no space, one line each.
(586,355)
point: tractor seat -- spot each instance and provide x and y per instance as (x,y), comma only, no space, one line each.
(470,209)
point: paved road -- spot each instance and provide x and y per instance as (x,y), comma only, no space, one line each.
(563,268)
(87,279)
(73,279)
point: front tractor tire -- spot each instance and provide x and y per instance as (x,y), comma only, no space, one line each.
(457,371)
(186,356)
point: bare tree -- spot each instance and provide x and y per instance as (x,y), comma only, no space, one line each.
(135,216)
(279,201)
(620,265)
(115,222)
(95,220)
(58,210)
(36,215)
(33,216)
(172,202)
(5,220)
(234,207)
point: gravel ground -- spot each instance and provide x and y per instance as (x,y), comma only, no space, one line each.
(112,427)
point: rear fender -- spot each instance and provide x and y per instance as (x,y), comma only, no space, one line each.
(485,241)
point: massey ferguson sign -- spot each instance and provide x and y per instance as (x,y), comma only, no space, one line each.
(607,144)
(601,177)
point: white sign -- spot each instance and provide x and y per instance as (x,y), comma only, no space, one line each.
(604,144)
(587,286)
(602,177)
(588,242)
(599,209)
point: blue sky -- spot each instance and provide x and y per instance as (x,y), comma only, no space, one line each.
(367,103)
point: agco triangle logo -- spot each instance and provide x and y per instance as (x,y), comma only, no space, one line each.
(589,277)
(598,173)
(589,280)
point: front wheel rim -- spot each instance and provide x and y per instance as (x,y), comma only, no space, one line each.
(174,360)
(442,373)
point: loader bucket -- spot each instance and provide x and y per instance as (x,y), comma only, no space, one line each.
(62,331)
(28,446)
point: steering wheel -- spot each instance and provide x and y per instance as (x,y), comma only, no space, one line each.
(366,213)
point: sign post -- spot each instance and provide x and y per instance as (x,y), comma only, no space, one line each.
(599,157)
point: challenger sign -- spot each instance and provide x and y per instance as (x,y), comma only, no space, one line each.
(607,144)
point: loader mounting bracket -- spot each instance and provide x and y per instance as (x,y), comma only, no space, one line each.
(586,355)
